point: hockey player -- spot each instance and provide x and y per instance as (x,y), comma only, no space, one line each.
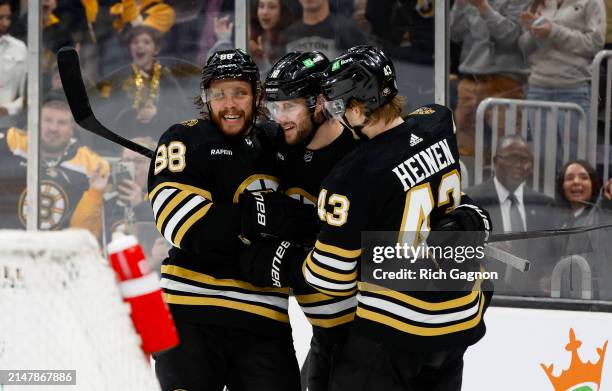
(308,149)
(232,333)
(400,340)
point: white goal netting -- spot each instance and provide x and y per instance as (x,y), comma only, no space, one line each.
(60,309)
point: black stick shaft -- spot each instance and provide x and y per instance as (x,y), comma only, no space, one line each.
(74,88)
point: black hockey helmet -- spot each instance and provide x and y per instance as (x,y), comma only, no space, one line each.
(364,73)
(296,75)
(230,64)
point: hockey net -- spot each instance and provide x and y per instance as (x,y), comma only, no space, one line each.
(60,309)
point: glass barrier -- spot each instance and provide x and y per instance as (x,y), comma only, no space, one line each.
(13,122)
(276,28)
(528,50)
(142,72)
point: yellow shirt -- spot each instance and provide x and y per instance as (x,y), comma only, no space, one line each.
(88,212)
(154,13)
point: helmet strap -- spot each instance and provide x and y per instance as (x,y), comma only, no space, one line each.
(358,130)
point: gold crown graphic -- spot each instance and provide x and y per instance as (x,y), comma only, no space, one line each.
(578,372)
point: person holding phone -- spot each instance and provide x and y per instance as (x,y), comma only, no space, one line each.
(127,203)
(491,64)
(559,41)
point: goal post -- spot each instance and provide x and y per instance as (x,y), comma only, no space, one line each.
(61,310)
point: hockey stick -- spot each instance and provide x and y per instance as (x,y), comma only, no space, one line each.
(548,233)
(505,257)
(72,81)
(74,88)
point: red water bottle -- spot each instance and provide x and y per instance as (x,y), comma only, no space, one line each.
(140,289)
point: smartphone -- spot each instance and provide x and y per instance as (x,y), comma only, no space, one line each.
(122,171)
(538,21)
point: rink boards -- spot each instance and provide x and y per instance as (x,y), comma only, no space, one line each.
(518,340)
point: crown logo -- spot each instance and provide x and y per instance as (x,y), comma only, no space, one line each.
(580,376)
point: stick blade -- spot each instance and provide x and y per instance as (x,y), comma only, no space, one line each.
(72,82)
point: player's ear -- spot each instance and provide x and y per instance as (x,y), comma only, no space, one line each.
(358,112)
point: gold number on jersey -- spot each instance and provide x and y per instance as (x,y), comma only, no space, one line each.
(176,156)
(172,157)
(341,205)
(419,204)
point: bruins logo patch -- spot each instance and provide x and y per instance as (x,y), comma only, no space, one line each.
(190,123)
(257,182)
(53,206)
(301,195)
(423,111)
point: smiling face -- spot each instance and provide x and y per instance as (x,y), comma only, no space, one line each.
(577,185)
(294,117)
(56,128)
(231,105)
(513,164)
(143,50)
(268,13)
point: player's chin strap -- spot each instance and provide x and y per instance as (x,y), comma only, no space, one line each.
(358,130)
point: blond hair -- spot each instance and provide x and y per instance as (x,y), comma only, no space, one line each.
(387,112)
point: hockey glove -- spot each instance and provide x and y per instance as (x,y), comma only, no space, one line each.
(465,217)
(272,263)
(465,227)
(273,215)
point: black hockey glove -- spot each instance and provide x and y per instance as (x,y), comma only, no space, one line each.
(468,218)
(273,215)
(273,263)
(465,227)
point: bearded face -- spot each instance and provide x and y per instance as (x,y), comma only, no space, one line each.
(231,106)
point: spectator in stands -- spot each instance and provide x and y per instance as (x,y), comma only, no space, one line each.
(72,177)
(322,30)
(13,54)
(405,29)
(584,205)
(515,207)
(578,189)
(211,11)
(127,204)
(223,29)
(152,13)
(268,20)
(266,42)
(146,96)
(56,33)
(603,69)
(491,64)
(559,41)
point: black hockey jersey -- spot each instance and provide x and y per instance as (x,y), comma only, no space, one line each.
(401,180)
(302,171)
(194,184)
